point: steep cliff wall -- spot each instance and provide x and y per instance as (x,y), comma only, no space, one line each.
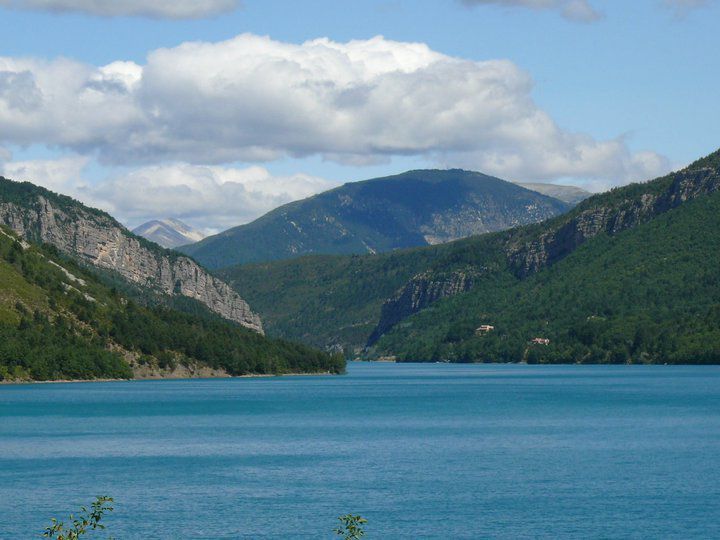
(419,293)
(99,240)
(611,218)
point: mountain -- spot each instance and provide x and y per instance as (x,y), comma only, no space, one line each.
(627,276)
(95,238)
(569,194)
(416,208)
(60,321)
(168,232)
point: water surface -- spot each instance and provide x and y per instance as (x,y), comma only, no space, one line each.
(423,451)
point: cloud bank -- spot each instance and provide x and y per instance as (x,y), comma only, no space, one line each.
(165,9)
(574,10)
(212,198)
(254,99)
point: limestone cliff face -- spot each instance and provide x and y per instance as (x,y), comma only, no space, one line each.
(421,291)
(561,240)
(97,239)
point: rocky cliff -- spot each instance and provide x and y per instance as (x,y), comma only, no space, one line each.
(97,239)
(421,291)
(609,217)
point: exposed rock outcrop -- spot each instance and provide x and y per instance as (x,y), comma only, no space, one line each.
(421,291)
(568,235)
(97,239)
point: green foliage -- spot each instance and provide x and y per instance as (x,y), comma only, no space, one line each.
(351,527)
(60,326)
(650,294)
(84,523)
(88,520)
(377,215)
(326,300)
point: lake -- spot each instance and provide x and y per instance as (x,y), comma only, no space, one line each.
(421,450)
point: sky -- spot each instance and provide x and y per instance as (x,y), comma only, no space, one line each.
(216,111)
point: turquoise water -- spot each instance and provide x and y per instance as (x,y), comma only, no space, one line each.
(423,451)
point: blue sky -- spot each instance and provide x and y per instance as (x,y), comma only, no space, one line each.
(643,75)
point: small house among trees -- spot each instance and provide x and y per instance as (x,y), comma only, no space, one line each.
(484,329)
(540,341)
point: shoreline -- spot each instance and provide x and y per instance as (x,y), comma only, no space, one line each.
(140,379)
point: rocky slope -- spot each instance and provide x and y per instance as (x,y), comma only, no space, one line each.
(97,239)
(169,232)
(60,320)
(416,208)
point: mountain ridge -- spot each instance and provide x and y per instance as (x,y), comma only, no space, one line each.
(415,208)
(168,232)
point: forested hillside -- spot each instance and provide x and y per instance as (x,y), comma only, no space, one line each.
(625,276)
(648,295)
(60,321)
(328,301)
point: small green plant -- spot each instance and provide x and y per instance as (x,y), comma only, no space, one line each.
(81,524)
(351,527)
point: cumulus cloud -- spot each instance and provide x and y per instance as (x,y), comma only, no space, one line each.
(212,198)
(595,166)
(574,10)
(60,175)
(209,197)
(255,99)
(169,9)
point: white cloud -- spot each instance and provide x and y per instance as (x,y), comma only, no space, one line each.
(60,175)
(255,99)
(574,10)
(595,166)
(170,9)
(210,198)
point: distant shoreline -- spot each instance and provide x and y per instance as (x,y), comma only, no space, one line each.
(250,376)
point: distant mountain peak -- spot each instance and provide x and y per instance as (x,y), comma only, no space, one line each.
(169,232)
(411,209)
(570,194)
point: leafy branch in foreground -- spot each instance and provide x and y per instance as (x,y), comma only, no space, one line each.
(351,525)
(83,523)
(351,528)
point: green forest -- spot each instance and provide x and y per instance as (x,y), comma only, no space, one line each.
(60,321)
(326,300)
(648,295)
